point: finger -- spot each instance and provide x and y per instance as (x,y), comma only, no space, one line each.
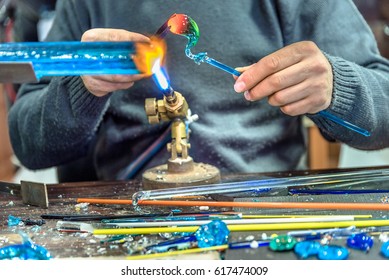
(120,78)
(300,107)
(100,87)
(307,101)
(283,79)
(241,70)
(105,88)
(269,65)
(289,95)
(112,35)
(318,95)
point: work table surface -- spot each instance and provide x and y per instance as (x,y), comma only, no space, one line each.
(63,200)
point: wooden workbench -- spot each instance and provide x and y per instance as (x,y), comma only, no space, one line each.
(62,200)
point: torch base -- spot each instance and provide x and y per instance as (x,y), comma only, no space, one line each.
(180,173)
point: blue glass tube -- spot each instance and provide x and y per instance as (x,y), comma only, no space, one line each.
(203,57)
(344,123)
(72,58)
(221,66)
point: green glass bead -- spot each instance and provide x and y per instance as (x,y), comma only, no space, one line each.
(282,243)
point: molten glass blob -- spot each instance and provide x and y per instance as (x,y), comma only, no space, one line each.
(182,24)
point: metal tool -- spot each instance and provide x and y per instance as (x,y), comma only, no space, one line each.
(37,194)
(32,193)
(17,72)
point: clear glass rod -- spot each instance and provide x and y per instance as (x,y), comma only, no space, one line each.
(265,185)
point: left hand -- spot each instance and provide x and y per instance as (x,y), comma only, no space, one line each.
(297,78)
(101,85)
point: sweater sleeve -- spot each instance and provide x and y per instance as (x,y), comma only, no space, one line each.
(54,121)
(54,124)
(361,97)
(361,75)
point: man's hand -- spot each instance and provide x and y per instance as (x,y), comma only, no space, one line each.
(103,84)
(297,78)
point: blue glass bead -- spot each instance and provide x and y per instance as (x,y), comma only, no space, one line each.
(360,241)
(212,234)
(306,249)
(25,251)
(332,252)
(385,249)
(13,221)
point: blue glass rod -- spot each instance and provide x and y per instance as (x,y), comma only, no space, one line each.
(344,123)
(324,114)
(72,58)
(221,66)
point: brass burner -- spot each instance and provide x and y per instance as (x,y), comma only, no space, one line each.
(180,169)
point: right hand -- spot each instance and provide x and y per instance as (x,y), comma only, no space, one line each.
(101,85)
(296,78)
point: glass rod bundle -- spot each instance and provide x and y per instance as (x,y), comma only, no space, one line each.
(328,180)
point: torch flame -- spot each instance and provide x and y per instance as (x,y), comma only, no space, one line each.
(147,54)
(160,76)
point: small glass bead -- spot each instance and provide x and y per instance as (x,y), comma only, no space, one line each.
(306,249)
(282,243)
(332,252)
(360,241)
(385,249)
